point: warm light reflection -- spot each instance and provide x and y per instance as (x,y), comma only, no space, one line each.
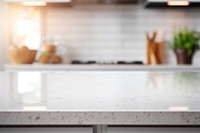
(34,108)
(179,108)
(28,82)
(178,3)
(29,87)
(34,3)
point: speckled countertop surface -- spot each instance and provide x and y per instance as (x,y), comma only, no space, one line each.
(111,98)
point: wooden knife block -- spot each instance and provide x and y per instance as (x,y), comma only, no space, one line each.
(154,51)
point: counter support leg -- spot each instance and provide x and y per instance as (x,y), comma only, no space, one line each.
(100,129)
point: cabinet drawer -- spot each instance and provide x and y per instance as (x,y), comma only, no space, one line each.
(46,130)
(152,130)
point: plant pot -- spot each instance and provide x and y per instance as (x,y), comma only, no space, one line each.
(182,56)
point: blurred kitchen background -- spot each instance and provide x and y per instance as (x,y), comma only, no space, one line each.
(93,30)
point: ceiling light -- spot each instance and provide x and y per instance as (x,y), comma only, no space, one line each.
(34,3)
(178,3)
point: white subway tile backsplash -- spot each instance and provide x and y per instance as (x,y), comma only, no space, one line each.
(116,32)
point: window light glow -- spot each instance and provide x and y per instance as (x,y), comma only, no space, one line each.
(34,3)
(178,3)
(27,28)
(23,26)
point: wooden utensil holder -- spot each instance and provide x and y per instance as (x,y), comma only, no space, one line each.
(154,50)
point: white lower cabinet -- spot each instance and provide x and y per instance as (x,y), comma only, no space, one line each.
(46,130)
(152,130)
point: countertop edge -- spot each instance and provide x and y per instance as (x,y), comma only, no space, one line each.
(93,118)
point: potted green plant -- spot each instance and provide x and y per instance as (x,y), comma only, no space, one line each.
(185,44)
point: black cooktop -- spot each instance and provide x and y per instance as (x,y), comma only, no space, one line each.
(78,62)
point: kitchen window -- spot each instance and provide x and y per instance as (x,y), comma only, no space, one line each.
(26,26)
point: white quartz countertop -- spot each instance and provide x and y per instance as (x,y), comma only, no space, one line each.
(91,97)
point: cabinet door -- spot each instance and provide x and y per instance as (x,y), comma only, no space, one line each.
(46,130)
(152,130)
